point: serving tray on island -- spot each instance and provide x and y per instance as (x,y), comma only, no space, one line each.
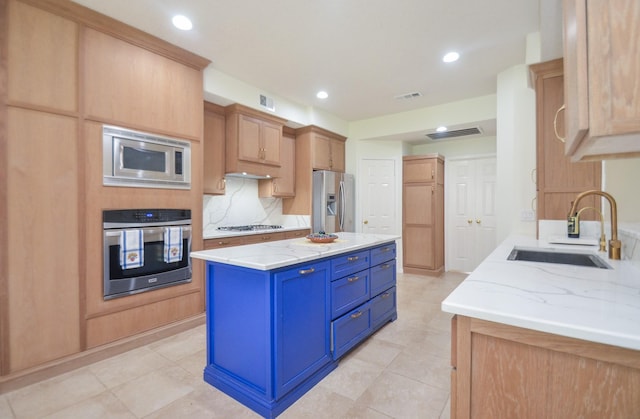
(322,237)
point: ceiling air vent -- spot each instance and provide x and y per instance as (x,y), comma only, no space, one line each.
(267,103)
(455,133)
(409,96)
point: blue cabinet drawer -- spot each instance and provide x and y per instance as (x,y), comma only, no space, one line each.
(383,308)
(348,264)
(350,329)
(383,253)
(383,276)
(349,292)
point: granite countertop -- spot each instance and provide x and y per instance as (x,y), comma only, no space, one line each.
(217,234)
(276,254)
(598,305)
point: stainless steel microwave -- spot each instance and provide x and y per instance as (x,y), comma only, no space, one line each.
(138,159)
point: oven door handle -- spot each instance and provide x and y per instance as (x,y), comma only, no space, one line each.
(153,234)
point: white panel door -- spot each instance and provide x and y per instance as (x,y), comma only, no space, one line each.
(471,218)
(378,196)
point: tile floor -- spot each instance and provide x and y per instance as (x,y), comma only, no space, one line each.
(402,371)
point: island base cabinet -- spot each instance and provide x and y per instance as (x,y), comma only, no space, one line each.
(350,329)
(383,308)
(503,371)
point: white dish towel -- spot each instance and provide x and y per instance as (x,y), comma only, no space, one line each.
(131,249)
(172,244)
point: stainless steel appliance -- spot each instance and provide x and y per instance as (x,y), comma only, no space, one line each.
(155,271)
(333,202)
(138,159)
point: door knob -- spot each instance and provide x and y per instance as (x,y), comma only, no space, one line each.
(365,222)
(478,221)
(469,221)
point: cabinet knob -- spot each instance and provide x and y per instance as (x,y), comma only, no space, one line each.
(306,271)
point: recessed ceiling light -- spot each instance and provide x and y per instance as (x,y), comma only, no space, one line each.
(182,22)
(451,57)
(322,94)
(441,129)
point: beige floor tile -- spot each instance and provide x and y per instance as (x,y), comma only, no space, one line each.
(103,406)
(219,404)
(423,367)
(128,366)
(155,390)
(5,409)
(181,345)
(401,397)
(375,351)
(195,363)
(319,403)
(351,378)
(364,412)
(55,394)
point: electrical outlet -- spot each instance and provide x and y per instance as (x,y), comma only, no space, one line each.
(527,215)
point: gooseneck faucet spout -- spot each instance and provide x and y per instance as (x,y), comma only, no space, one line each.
(615,245)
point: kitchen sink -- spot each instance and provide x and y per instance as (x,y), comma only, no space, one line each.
(565,258)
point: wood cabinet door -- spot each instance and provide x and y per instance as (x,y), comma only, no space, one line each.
(418,208)
(420,170)
(302,324)
(214,149)
(284,185)
(321,152)
(249,144)
(337,162)
(271,139)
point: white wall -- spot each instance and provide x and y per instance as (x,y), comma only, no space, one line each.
(620,179)
(462,147)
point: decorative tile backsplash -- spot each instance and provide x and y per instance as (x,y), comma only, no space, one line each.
(241,205)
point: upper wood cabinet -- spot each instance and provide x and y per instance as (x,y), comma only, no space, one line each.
(282,186)
(213,159)
(43,64)
(254,141)
(602,73)
(311,142)
(128,85)
(558,179)
(327,153)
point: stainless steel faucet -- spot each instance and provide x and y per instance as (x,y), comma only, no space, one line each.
(573,221)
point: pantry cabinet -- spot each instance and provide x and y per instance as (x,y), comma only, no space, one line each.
(558,179)
(254,141)
(213,149)
(601,70)
(423,214)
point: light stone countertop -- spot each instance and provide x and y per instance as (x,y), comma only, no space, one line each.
(217,234)
(598,305)
(277,254)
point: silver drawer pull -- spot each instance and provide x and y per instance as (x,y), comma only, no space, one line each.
(353,279)
(306,271)
(385,266)
(356,315)
(385,295)
(386,249)
(353,258)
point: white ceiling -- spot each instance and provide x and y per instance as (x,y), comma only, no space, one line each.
(363,52)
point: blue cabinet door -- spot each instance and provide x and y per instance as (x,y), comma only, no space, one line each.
(302,324)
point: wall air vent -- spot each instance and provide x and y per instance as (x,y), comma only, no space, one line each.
(409,96)
(268,103)
(454,133)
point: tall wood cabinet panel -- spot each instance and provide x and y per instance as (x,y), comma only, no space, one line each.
(311,143)
(126,84)
(42,63)
(559,180)
(423,214)
(282,186)
(602,69)
(214,149)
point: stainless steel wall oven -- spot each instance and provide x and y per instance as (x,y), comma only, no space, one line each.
(145,249)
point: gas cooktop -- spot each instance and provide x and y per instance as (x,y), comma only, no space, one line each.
(252,227)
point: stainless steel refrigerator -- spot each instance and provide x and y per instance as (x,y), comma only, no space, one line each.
(333,202)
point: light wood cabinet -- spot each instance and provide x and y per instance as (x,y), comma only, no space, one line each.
(284,185)
(254,141)
(502,371)
(602,69)
(327,153)
(294,234)
(126,84)
(221,242)
(423,214)
(558,179)
(213,149)
(307,141)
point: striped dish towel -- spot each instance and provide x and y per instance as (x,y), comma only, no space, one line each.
(131,249)
(172,244)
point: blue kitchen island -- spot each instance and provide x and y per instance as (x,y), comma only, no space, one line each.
(280,315)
